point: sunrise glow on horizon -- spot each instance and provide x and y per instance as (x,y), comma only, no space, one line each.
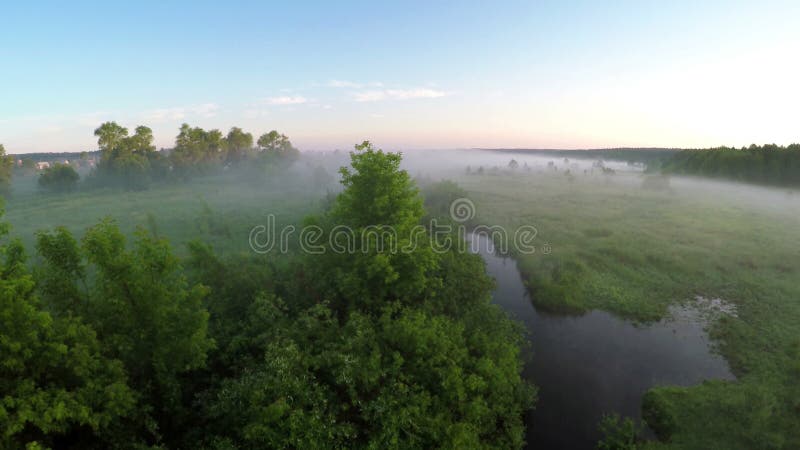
(443,75)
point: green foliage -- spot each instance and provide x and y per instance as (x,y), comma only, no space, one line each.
(197,150)
(6,169)
(132,162)
(659,414)
(238,284)
(62,266)
(406,379)
(59,178)
(439,197)
(462,285)
(557,288)
(377,217)
(110,136)
(376,191)
(239,145)
(277,147)
(140,303)
(379,349)
(365,350)
(54,378)
(767,164)
(618,433)
(125,160)
(737,416)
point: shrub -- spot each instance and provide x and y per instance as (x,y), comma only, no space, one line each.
(59,178)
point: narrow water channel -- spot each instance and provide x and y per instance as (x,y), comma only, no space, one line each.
(596,363)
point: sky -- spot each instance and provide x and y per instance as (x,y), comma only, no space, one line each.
(405,75)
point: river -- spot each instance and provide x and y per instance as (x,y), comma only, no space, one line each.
(596,363)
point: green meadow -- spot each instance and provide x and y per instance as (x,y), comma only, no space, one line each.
(616,245)
(218,209)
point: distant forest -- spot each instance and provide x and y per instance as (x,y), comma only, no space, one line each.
(49,157)
(631,155)
(767,164)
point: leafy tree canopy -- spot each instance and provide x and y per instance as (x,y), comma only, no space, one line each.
(139,301)
(125,159)
(55,380)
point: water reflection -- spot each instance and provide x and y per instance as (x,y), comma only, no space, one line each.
(596,363)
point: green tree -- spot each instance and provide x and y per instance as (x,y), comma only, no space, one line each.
(239,145)
(56,386)
(385,351)
(142,306)
(618,433)
(132,170)
(276,147)
(125,160)
(61,278)
(59,178)
(388,256)
(236,284)
(142,140)
(197,150)
(6,168)
(109,136)
(404,379)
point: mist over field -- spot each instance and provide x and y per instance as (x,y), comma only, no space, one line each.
(412,225)
(655,280)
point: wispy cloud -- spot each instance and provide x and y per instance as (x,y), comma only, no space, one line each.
(254,113)
(181,112)
(353,84)
(286,100)
(205,110)
(397,94)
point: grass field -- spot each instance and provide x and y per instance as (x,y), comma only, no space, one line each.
(217,209)
(633,251)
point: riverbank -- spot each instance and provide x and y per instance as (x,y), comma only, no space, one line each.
(634,252)
(596,364)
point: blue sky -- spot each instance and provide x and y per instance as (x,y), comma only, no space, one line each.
(404,74)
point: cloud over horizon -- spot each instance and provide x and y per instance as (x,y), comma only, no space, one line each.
(205,110)
(397,94)
(353,84)
(286,100)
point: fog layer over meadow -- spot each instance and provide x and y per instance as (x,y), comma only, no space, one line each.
(578,173)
